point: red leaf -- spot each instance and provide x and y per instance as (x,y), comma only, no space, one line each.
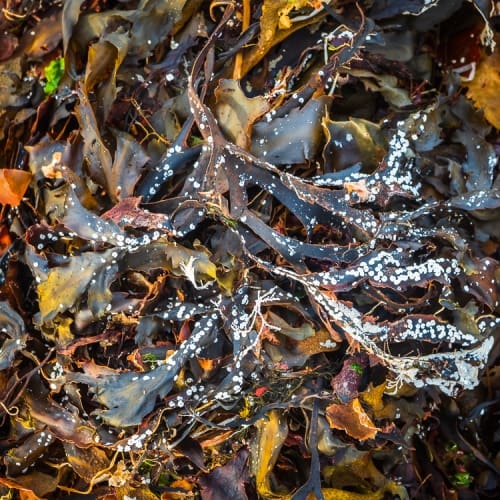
(260,391)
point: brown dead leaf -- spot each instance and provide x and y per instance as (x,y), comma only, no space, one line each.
(86,462)
(352,419)
(34,485)
(44,37)
(8,44)
(63,422)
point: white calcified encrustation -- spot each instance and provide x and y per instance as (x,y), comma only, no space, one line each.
(450,371)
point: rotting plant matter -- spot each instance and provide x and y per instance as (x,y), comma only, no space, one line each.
(210,279)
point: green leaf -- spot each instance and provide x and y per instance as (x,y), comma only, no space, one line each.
(53,74)
(357,368)
(462,479)
(150,358)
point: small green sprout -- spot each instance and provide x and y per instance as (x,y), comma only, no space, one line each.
(357,368)
(195,140)
(451,446)
(163,480)
(53,74)
(147,465)
(150,358)
(462,479)
(229,222)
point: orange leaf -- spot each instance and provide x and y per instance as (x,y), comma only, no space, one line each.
(359,188)
(208,364)
(182,484)
(372,397)
(218,439)
(272,431)
(483,90)
(352,419)
(13,186)
(5,239)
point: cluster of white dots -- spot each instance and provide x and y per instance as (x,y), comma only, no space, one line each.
(386,268)
(164,170)
(44,439)
(136,441)
(56,372)
(417,369)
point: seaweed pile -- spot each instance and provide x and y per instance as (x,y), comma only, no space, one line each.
(249,250)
